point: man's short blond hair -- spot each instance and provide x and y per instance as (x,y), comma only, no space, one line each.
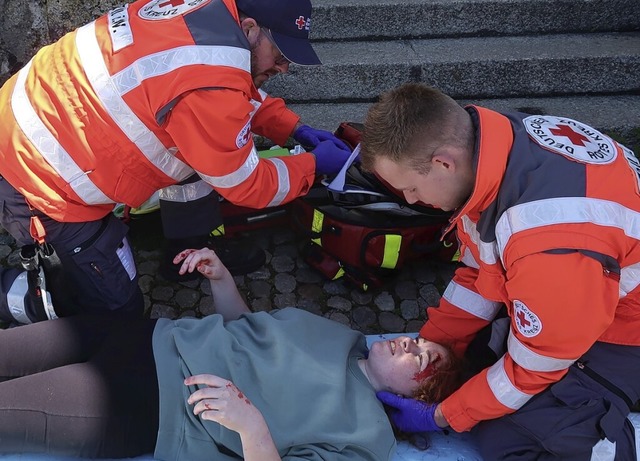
(408,123)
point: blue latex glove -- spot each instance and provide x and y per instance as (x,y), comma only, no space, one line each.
(310,138)
(329,157)
(410,415)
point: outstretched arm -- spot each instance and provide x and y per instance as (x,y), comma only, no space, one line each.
(226,298)
(221,401)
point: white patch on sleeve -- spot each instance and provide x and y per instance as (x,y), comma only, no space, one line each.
(243,137)
(527,323)
(119,28)
(157,10)
(570,138)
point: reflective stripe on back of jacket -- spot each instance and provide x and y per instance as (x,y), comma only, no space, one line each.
(81,123)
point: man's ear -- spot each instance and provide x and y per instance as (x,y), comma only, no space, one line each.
(444,157)
(250,29)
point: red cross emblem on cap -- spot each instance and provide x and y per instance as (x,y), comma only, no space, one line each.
(301,22)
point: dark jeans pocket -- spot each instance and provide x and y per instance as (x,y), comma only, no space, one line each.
(104,270)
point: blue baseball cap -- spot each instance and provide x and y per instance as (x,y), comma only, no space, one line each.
(288,22)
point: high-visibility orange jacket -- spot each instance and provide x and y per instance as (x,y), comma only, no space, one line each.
(552,231)
(136,101)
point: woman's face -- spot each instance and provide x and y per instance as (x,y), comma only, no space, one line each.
(399,365)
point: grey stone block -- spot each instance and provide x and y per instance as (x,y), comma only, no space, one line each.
(355,19)
(610,114)
(469,67)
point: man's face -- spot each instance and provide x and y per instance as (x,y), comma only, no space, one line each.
(401,364)
(266,59)
(441,187)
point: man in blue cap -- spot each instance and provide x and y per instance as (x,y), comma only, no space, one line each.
(154,95)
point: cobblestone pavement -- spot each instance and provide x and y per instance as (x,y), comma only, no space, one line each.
(285,280)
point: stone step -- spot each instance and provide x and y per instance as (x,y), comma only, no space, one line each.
(618,115)
(375,19)
(478,67)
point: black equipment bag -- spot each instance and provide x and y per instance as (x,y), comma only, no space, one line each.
(365,246)
(367,231)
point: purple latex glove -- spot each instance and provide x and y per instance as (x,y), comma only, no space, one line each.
(329,157)
(310,138)
(410,415)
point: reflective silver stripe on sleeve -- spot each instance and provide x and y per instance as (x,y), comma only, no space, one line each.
(471,302)
(533,361)
(629,279)
(167,61)
(566,210)
(488,250)
(257,103)
(238,176)
(15,298)
(185,192)
(468,260)
(110,92)
(283,181)
(502,387)
(49,147)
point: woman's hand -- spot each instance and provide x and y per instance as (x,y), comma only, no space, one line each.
(221,401)
(226,298)
(204,261)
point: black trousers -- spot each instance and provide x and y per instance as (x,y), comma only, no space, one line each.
(564,422)
(189,215)
(93,256)
(82,386)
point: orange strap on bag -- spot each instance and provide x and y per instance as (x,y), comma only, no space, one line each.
(36,229)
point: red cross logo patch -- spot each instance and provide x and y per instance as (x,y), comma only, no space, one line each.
(565,130)
(527,323)
(303,23)
(173,3)
(157,10)
(570,138)
(243,136)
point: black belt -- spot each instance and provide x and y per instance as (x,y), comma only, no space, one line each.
(582,366)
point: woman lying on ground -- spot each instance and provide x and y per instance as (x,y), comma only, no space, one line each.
(259,386)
